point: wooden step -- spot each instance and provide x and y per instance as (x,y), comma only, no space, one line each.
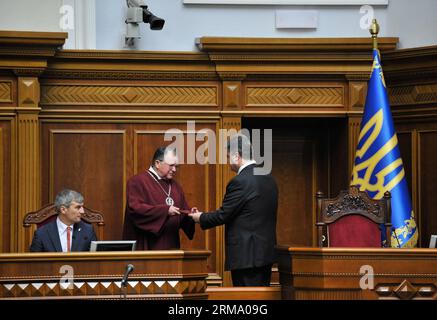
(244,293)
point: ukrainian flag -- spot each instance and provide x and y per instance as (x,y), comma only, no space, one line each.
(378,165)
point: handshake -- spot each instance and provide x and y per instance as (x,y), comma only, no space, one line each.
(193,213)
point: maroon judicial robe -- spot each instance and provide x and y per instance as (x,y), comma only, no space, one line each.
(146,217)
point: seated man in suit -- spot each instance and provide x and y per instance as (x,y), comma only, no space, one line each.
(66,233)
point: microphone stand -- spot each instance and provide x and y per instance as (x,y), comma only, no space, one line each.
(123,284)
(123,291)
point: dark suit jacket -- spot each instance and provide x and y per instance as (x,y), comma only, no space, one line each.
(46,238)
(249,213)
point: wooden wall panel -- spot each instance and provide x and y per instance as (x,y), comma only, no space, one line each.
(91,160)
(301,167)
(339,174)
(198,181)
(6,214)
(406,148)
(293,169)
(427,143)
(98,158)
(411,75)
(418,151)
(28,152)
(407,140)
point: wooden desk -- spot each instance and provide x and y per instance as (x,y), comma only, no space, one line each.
(174,274)
(334,273)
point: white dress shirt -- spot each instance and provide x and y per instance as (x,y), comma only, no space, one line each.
(248,163)
(154,172)
(62,229)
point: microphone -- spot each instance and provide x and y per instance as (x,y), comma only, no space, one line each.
(129,269)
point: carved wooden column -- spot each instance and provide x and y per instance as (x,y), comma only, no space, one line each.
(231,120)
(24,54)
(227,123)
(357,100)
(354,123)
(28,154)
(231,123)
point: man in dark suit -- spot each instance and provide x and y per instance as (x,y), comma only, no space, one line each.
(67,233)
(248,212)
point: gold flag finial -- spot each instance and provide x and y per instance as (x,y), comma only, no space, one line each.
(374,30)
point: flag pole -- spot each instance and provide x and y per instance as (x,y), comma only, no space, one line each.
(374,30)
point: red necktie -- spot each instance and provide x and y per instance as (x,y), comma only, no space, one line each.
(68,238)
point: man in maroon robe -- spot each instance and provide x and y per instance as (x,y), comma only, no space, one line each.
(154,201)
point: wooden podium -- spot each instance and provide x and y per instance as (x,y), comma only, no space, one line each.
(355,273)
(173,274)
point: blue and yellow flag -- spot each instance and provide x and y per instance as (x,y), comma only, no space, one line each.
(378,165)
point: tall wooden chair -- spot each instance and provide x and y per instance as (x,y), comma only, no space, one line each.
(353,219)
(48,213)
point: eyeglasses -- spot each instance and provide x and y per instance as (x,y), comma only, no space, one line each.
(171,165)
